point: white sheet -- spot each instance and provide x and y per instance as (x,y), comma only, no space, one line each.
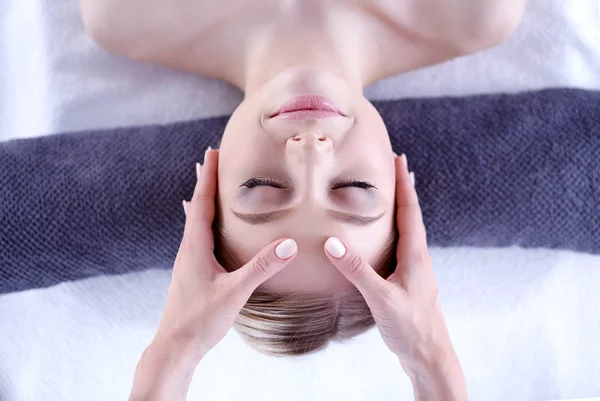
(525,323)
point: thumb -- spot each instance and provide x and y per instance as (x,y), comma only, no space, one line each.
(268,262)
(355,268)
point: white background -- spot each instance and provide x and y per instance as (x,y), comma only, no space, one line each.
(525,323)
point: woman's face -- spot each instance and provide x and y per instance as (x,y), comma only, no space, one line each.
(306,179)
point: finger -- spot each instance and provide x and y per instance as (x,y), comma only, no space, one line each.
(355,268)
(268,262)
(206,184)
(412,236)
(200,211)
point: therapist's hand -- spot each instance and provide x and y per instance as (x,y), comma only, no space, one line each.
(203,299)
(406,306)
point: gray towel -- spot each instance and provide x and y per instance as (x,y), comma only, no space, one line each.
(491,171)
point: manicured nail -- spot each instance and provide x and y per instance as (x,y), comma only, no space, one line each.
(286,249)
(335,247)
(184,207)
(198,171)
(404,161)
(412,178)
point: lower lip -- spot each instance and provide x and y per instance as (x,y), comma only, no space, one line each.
(308,107)
(307,114)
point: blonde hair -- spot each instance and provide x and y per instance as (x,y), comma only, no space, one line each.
(297,324)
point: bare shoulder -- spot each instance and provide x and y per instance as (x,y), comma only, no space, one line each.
(465,25)
(136,28)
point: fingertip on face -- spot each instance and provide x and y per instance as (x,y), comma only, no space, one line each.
(335,247)
(286,249)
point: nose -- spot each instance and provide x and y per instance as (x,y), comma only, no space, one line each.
(310,141)
(309,156)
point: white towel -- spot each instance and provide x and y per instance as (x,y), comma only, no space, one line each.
(525,323)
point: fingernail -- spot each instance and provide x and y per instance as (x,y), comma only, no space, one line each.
(412,178)
(286,249)
(184,207)
(205,153)
(335,247)
(404,161)
(198,171)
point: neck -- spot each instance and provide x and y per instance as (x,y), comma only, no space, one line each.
(313,36)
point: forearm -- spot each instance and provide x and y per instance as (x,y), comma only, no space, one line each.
(165,371)
(436,375)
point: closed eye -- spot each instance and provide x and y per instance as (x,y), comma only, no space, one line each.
(353,183)
(262,182)
(268,182)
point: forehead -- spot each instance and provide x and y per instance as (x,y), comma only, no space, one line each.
(310,271)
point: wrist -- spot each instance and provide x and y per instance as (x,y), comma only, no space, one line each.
(435,373)
(165,370)
(183,343)
(178,355)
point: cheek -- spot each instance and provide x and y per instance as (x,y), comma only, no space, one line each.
(381,159)
(240,130)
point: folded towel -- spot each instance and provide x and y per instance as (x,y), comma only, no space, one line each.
(491,171)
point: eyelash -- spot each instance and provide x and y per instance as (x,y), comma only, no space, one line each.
(259,181)
(353,183)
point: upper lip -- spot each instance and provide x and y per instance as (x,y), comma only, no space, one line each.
(307,102)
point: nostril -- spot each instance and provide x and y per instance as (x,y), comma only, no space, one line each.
(298,138)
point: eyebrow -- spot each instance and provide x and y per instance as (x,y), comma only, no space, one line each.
(263,218)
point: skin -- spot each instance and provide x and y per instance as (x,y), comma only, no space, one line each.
(310,158)
(273,51)
(204,299)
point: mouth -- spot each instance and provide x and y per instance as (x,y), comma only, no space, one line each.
(308,107)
